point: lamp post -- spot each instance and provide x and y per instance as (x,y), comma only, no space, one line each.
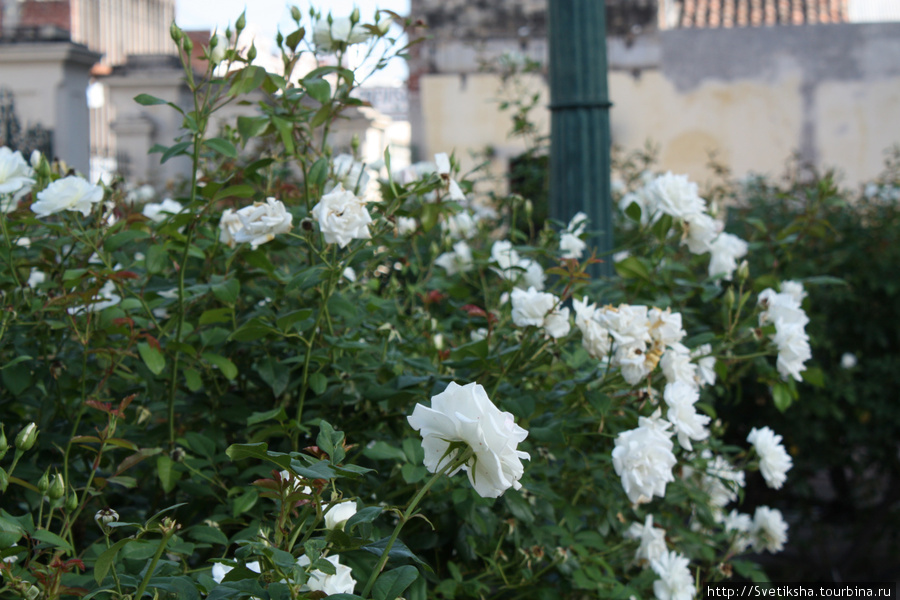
(579,129)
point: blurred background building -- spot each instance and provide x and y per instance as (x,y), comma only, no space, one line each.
(752,80)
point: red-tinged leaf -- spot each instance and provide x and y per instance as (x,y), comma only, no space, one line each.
(125,403)
(557,271)
(433,297)
(268,484)
(124,321)
(124,275)
(474,311)
(154,343)
(135,458)
(315,451)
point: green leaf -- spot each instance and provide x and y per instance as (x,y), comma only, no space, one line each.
(250,127)
(116,241)
(222,146)
(227,291)
(366,515)
(157,258)
(286,130)
(107,558)
(234,191)
(814,376)
(384,451)
(15,361)
(633,212)
(277,414)
(294,38)
(17,380)
(318,173)
(318,89)
(48,537)
(781,395)
(148,100)
(209,535)
(260,451)
(244,502)
(216,315)
(168,475)
(176,150)
(228,368)
(193,379)
(274,373)
(152,357)
(289,319)
(394,582)
(318,383)
(632,267)
(398,550)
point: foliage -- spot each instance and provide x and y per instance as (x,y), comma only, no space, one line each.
(207,401)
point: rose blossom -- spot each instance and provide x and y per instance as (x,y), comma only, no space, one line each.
(258,223)
(160,211)
(769,530)
(688,423)
(653,540)
(466,414)
(643,459)
(675,581)
(774,461)
(539,309)
(342,217)
(338,514)
(69,193)
(338,34)
(341,582)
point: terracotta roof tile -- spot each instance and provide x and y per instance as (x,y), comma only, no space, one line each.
(760,13)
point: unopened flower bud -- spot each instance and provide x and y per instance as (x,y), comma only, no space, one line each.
(279,38)
(729,298)
(383,26)
(217,48)
(175,32)
(4,480)
(529,207)
(27,437)
(354,16)
(743,271)
(295,14)
(241,22)
(187,44)
(57,487)
(251,53)
(35,159)
(72,502)
(43,484)
(354,144)
(104,517)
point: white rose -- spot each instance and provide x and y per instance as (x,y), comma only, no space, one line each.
(689,424)
(458,261)
(700,230)
(442,163)
(460,226)
(36,278)
(643,459)
(774,461)
(675,581)
(341,582)
(595,338)
(466,414)
(677,366)
(338,514)
(406,225)
(342,217)
(338,34)
(69,193)
(539,309)
(665,327)
(677,196)
(706,365)
(769,530)
(794,289)
(160,211)
(724,252)
(653,540)
(258,223)
(15,174)
(793,349)
(740,525)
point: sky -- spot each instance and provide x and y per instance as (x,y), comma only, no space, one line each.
(265,17)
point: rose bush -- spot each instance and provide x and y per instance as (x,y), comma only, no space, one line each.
(248,405)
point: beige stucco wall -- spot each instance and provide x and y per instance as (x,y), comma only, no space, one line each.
(831,94)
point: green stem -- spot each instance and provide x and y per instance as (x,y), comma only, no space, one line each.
(162,546)
(451,466)
(9,257)
(113,567)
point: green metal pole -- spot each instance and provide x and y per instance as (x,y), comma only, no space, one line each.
(579,127)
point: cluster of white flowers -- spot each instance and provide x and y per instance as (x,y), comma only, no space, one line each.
(342,217)
(774,461)
(524,272)
(785,312)
(765,531)
(458,261)
(68,193)
(570,242)
(464,413)
(678,197)
(643,459)
(258,223)
(341,582)
(540,309)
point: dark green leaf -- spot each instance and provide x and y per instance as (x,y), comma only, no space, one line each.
(392,583)
(222,146)
(152,357)
(148,100)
